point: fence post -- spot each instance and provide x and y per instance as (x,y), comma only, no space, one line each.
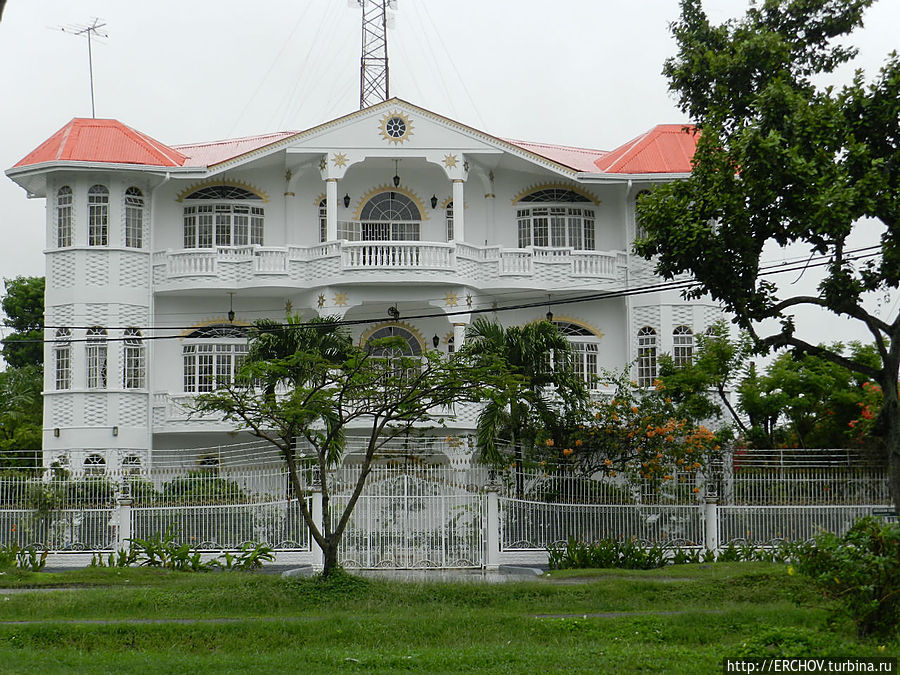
(492,527)
(318,558)
(711,518)
(123,519)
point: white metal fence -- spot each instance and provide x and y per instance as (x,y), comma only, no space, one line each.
(415,515)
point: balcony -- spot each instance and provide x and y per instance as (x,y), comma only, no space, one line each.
(415,262)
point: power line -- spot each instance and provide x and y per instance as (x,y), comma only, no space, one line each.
(601,295)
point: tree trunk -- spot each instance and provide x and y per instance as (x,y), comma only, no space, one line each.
(330,557)
(890,418)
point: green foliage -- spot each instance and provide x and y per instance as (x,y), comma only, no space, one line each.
(23,306)
(250,557)
(21,416)
(196,487)
(862,571)
(782,160)
(30,558)
(640,431)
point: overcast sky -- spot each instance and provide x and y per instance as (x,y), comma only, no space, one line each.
(575,72)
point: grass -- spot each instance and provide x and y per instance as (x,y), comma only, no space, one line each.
(274,625)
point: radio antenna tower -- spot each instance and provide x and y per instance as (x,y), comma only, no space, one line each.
(90,31)
(373,72)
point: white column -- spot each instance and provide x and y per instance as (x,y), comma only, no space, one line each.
(492,527)
(318,557)
(459,210)
(331,205)
(123,520)
(711,518)
(459,335)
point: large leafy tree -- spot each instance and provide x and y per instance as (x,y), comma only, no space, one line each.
(532,387)
(23,306)
(20,416)
(781,158)
(309,381)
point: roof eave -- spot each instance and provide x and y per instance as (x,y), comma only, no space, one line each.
(631,177)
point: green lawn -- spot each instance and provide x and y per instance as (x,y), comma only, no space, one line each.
(262,623)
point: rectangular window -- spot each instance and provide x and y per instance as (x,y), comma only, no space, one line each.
(64,220)
(349,230)
(204,227)
(449,218)
(134,222)
(558,226)
(541,224)
(590,243)
(133,374)
(98,221)
(63,367)
(524,229)
(223,225)
(204,368)
(256,225)
(96,365)
(190,227)
(576,233)
(189,356)
(241,225)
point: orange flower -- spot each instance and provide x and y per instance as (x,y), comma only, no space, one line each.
(579,443)
(696,490)
(667,477)
(549,442)
(568,451)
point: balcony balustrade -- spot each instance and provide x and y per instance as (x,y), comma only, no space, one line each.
(408,261)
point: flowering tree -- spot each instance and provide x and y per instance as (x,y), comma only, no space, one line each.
(640,432)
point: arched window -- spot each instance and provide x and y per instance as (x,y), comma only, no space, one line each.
(682,346)
(639,231)
(64,217)
(219,215)
(134,218)
(96,358)
(212,356)
(448,215)
(131,465)
(586,348)
(646,356)
(387,216)
(558,223)
(63,358)
(133,372)
(94,465)
(98,216)
(396,353)
(323,220)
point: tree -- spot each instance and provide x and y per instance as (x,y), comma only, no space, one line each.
(309,381)
(23,306)
(20,416)
(532,386)
(781,159)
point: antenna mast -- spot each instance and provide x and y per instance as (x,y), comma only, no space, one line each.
(373,73)
(93,29)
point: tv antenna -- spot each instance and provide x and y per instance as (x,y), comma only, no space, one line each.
(373,72)
(90,31)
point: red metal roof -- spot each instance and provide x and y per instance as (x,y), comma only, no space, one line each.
(109,141)
(580,159)
(666,148)
(207,154)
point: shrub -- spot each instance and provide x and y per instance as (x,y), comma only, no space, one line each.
(862,571)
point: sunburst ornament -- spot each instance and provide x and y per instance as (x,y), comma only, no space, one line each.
(452,299)
(469,299)
(323,164)
(339,159)
(340,299)
(396,127)
(450,161)
(320,301)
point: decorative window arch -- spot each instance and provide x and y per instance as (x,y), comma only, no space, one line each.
(94,465)
(213,355)
(323,220)
(62,351)
(134,362)
(682,346)
(96,352)
(131,465)
(98,216)
(219,215)
(64,216)
(413,345)
(646,364)
(134,218)
(564,219)
(586,348)
(390,215)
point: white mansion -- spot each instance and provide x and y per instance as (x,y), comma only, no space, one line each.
(393,217)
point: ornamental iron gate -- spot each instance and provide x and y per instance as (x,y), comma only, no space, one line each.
(407,520)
